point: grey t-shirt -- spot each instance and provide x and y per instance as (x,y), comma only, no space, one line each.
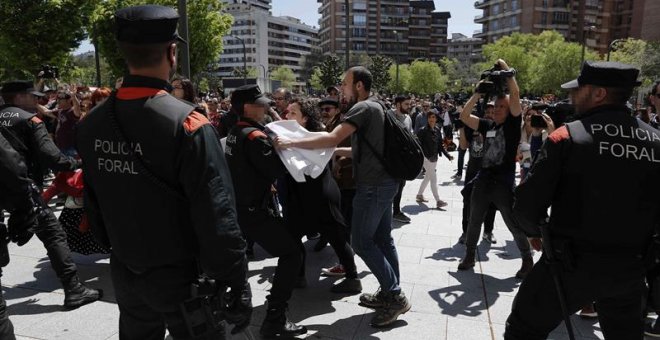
(368,118)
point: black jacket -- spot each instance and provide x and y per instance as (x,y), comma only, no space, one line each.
(180,206)
(27,134)
(14,183)
(254,164)
(600,175)
(431,141)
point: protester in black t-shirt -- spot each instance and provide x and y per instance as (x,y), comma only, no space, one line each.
(494,181)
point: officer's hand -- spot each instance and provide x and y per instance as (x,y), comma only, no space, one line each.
(239,307)
(20,225)
(536,243)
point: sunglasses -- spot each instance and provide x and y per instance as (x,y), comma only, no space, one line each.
(327,108)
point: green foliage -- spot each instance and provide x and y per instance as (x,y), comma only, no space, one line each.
(641,54)
(40,32)
(331,71)
(543,61)
(203,85)
(81,69)
(206,26)
(252,72)
(404,78)
(379,68)
(315,80)
(428,78)
(309,63)
(285,75)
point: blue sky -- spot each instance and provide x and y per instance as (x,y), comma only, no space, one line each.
(461,21)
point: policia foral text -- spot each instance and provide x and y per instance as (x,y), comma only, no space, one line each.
(158,191)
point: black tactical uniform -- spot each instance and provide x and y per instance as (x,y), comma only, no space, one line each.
(600,175)
(158,191)
(14,196)
(28,136)
(255,166)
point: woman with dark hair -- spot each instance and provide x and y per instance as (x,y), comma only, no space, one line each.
(183,89)
(315,203)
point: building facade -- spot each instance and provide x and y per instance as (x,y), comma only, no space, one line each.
(404,30)
(595,22)
(464,49)
(270,41)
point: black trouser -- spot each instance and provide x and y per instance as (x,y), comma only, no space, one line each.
(50,232)
(615,283)
(272,235)
(6,327)
(489,219)
(461,161)
(397,198)
(347,196)
(150,300)
(337,235)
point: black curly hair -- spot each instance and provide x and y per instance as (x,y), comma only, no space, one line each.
(310,109)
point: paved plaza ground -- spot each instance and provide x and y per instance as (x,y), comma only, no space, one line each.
(446,304)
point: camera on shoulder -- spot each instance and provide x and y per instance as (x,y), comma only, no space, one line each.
(49,72)
(494,81)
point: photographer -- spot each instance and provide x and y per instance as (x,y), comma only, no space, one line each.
(495,180)
(536,128)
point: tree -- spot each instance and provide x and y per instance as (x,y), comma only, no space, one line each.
(315,80)
(428,78)
(81,69)
(404,78)
(40,32)
(310,62)
(641,54)
(252,72)
(206,26)
(379,68)
(285,75)
(331,71)
(531,56)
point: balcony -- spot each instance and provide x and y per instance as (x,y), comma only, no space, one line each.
(480,19)
(480,4)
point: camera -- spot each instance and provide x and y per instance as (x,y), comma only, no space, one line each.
(49,72)
(560,113)
(494,81)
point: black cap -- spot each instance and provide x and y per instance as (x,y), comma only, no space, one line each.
(20,86)
(147,24)
(247,94)
(329,101)
(605,74)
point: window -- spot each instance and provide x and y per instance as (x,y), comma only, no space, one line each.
(359,20)
(495,9)
(359,5)
(514,5)
(514,21)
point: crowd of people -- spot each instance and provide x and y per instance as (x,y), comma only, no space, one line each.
(184,203)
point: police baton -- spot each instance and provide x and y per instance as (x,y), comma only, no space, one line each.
(556,275)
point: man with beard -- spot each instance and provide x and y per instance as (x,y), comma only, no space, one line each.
(375,189)
(402,113)
(601,242)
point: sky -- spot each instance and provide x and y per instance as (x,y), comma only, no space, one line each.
(461,21)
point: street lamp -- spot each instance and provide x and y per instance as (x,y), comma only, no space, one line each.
(584,39)
(267,89)
(611,47)
(244,57)
(396,57)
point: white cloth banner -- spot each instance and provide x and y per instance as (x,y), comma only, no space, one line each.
(300,162)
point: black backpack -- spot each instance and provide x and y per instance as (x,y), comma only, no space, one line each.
(403,157)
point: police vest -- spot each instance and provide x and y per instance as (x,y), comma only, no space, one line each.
(14,126)
(146,224)
(608,195)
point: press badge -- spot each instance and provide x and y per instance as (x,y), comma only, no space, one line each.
(491,134)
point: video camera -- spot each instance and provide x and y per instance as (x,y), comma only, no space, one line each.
(560,113)
(494,81)
(49,72)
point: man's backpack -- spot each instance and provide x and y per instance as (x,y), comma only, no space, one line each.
(402,157)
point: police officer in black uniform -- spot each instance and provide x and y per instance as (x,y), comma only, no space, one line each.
(254,166)
(28,136)
(158,191)
(14,196)
(599,174)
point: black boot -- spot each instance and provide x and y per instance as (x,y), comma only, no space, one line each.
(276,324)
(468,261)
(76,294)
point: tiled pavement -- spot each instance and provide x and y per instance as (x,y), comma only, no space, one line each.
(446,304)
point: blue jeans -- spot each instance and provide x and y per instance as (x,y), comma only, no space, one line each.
(371,232)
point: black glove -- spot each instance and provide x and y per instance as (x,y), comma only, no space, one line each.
(239,307)
(21,223)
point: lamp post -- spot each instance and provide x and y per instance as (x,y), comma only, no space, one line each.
(348,40)
(244,58)
(396,57)
(611,47)
(267,89)
(584,40)
(183,30)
